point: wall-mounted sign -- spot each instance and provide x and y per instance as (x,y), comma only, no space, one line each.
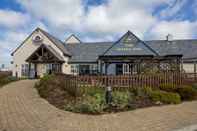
(129,49)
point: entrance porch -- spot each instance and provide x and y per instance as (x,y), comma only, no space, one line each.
(45,60)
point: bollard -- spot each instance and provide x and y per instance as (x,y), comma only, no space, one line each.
(108,95)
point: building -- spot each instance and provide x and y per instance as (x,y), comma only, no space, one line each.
(41,53)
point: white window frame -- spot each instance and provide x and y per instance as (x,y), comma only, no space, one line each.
(74,68)
(24,69)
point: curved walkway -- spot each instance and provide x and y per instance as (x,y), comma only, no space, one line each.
(21,109)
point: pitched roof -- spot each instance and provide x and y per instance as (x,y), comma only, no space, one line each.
(187,48)
(130,45)
(48,47)
(57,42)
(72,37)
(54,52)
(87,52)
(53,39)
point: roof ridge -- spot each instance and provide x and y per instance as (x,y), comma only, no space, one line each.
(172,40)
(145,44)
(99,42)
(115,43)
(51,37)
(130,33)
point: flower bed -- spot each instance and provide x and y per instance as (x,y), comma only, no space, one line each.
(92,99)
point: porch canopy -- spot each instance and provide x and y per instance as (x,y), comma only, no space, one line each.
(130,50)
(45,54)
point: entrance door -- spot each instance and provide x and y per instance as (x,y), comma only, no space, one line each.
(119,69)
(84,69)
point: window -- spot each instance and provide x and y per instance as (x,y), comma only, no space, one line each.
(126,69)
(129,69)
(49,68)
(93,69)
(75,69)
(53,67)
(24,69)
(37,38)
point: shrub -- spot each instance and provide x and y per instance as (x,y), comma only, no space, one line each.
(90,104)
(93,90)
(194,86)
(7,79)
(46,78)
(165,97)
(44,84)
(142,91)
(168,87)
(187,93)
(121,99)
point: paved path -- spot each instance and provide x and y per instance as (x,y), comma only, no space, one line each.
(21,109)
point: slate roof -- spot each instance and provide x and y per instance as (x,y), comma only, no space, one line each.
(188,48)
(57,42)
(130,45)
(87,52)
(73,36)
(53,39)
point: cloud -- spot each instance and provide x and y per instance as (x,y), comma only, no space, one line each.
(58,13)
(179,29)
(173,8)
(111,17)
(117,17)
(9,42)
(194,8)
(12,19)
(104,22)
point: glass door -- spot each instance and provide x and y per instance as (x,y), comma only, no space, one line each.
(119,69)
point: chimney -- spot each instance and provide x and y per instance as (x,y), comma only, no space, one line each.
(169,37)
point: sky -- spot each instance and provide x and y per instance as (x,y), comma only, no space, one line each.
(95,20)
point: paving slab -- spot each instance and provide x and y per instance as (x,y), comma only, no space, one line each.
(22,109)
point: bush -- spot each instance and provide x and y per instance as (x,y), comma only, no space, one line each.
(165,97)
(7,79)
(93,90)
(187,93)
(90,104)
(168,87)
(121,99)
(44,84)
(194,86)
(142,92)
